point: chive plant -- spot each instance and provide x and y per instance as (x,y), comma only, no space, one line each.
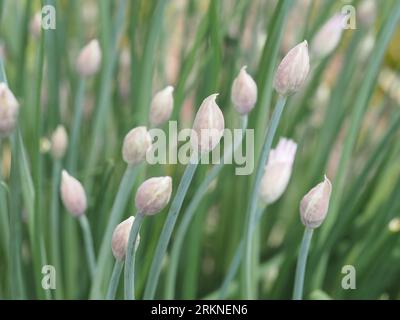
(345,120)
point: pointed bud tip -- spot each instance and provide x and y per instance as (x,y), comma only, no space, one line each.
(293,70)
(153,195)
(208,125)
(136,144)
(73,194)
(315,204)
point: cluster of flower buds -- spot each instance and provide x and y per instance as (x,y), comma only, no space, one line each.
(89,59)
(315,204)
(136,145)
(73,194)
(59,142)
(293,70)
(120,238)
(9,109)
(244,92)
(161,106)
(278,171)
(208,126)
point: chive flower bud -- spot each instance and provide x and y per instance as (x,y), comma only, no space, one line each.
(208,126)
(293,70)
(314,205)
(59,142)
(136,145)
(278,171)
(244,92)
(366,12)
(9,108)
(120,238)
(328,37)
(89,59)
(161,106)
(35,24)
(73,195)
(153,195)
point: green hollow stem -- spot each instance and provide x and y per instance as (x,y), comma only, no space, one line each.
(17,290)
(4,219)
(117,211)
(114,281)
(249,291)
(76,125)
(166,233)
(191,210)
(237,258)
(301,264)
(55,227)
(129,276)
(89,248)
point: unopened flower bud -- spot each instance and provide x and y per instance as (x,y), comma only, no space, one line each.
(35,25)
(278,171)
(293,70)
(89,59)
(161,106)
(208,126)
(120,238)
(153,195)
(315,204)
(59,142)
(244,92)
(328,37)
(394,225)
(366,12)
(9,108)
(136,145)
(73,195)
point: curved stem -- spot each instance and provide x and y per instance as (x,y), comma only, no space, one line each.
(114,281)
(87,236)
(237,258)
(173,213)
(301,264)
(124,191)
(129,283)
(191,210)
(249,292)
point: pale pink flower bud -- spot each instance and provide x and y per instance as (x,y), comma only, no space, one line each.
(89,59)
(73,195)
(35,25)
(153,195)
(293,70)
(366,12)
(161,106)
(9,108)
(59,142)
(120,238)
(315,204)
(136,145)
(208,126)
(278,171)
(244,92)
(328,37)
